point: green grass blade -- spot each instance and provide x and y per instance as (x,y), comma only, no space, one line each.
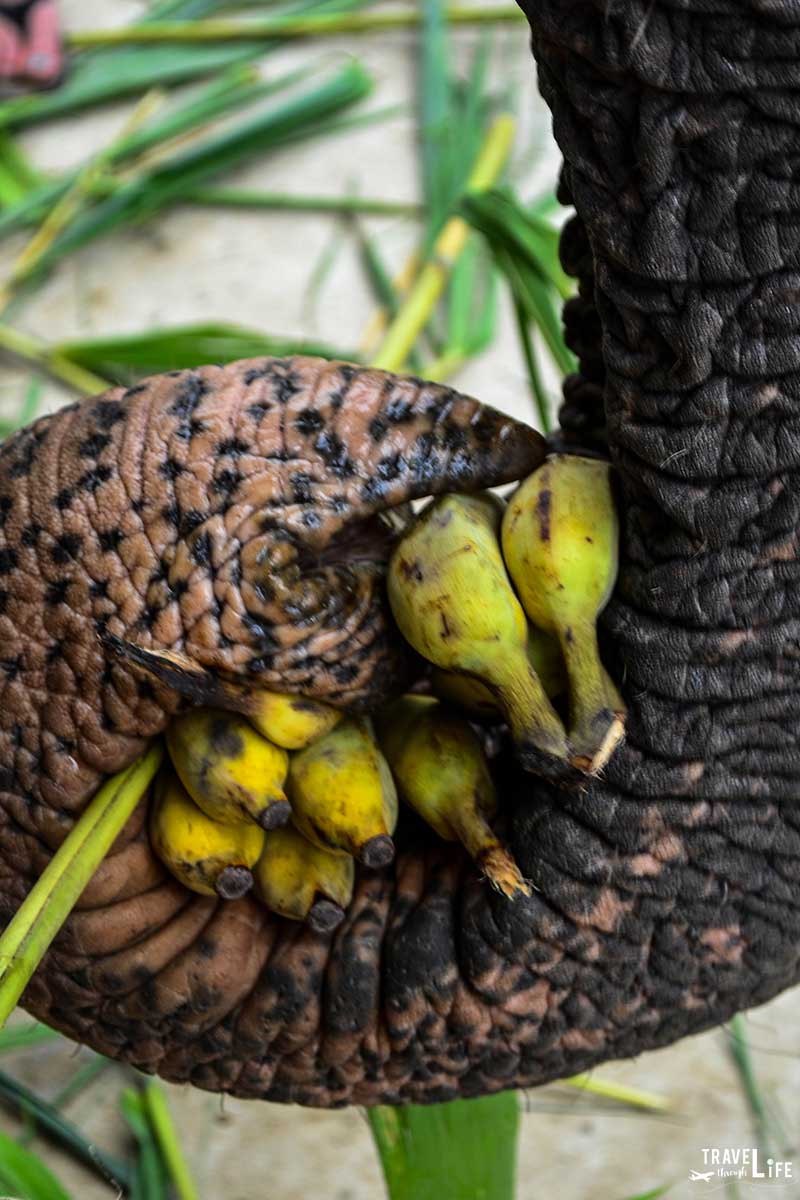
(167,1137)
(18,177)
(541,401)
(27,410)
(150,1179)
(467,1148)
(434,101)
(285,202)
(653,1194)
(25,1037)
(129,357)
(52,1125)
(36,922)
(98,78)
(25,1176)
(296,118)
(83,1078)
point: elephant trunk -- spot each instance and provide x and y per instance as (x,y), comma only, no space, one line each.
(667,890)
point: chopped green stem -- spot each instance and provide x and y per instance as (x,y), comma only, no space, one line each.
(540,397)
(38,920)
(619,1092)
(39,355)
(445,366)
(280,201)
(313,25)
(167,1138)
(447,248)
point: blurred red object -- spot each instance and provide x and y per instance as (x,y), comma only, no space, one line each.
(30,43)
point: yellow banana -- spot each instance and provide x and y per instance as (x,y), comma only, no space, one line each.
(302,882)
(290,721)
(343,796)
(209,857)
(452,600)
(475,698)
(442,772)
(560,541)
(229,770)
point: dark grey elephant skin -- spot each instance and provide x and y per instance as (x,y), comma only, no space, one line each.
(667,892)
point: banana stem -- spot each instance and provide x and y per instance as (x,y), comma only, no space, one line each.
(535,725)
(596,726)
(486,849)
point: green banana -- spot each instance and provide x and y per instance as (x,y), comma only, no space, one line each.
(343,796)
(474,698)
(452,600)
(560,541)
(441,771)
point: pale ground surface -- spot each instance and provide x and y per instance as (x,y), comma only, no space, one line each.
(254,269)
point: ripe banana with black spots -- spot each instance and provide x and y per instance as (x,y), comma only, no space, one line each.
(207,856)
(230,771)
(343,796)
(474,697)
(452,600)
(300,881)
(441,771)
(290,721)
(560,541)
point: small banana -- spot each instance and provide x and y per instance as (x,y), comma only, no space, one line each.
(343,796)
(453,601)
(560,540)
(302,882)
(208,857)
(229,770)
(442,772)
(290,721)
(475,698)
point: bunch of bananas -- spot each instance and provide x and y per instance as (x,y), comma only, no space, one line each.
(288,797)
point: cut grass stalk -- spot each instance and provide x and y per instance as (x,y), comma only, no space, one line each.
(283,202)
(38,354)
(618,1092)
(739,1050)
(150,1176)
(98,76)
(166,1135)
(27,410)
(50,1123)
(18,177)
(312,25)
(127,358)
(540,398)
(234,89)
(73,199)
(139,199)
(380,281)
(37,921)
(432,279)
(465,1148)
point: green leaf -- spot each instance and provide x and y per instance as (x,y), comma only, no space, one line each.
(466,1148)
(25,1037)
(127,358)
(25,1176)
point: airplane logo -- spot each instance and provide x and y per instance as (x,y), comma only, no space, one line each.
(697,1176)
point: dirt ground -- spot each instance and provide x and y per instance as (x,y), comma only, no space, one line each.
(254,269)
